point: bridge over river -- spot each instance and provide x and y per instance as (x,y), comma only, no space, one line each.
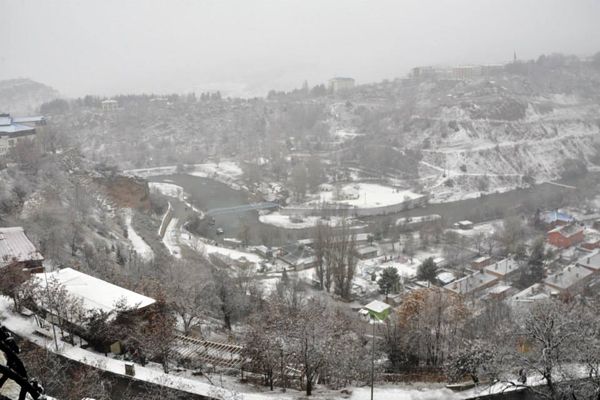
(240,209)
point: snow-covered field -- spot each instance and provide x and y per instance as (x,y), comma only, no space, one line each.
(487,228)
(139,245)
(167,189)
(400,262)
(366,195)
(207,249)
(285,221)
(227,169)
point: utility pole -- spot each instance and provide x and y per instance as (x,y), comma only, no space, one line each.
(373,360)
(378,312)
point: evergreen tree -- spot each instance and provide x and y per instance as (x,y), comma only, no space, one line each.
(427,271)
(389,282)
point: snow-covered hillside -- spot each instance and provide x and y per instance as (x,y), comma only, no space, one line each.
(24,96)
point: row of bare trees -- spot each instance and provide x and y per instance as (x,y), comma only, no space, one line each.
(336,257)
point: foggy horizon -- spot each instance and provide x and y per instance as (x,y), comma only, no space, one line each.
(247,48)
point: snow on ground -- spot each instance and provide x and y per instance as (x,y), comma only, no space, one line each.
(368,195)
(167,189)
(171,239)
(486,228)
(442,194)
(417,220)
(226,168)
(400,262)
(139,245)
(403,393)
(176,191)
(285,221)
(26,328)
(207,249)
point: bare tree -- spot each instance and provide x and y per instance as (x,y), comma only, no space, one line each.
(190,293)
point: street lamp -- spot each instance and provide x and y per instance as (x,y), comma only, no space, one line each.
(378,312)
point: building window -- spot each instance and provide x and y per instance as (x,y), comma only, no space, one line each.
(11,142)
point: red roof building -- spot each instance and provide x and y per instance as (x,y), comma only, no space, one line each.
(566,236)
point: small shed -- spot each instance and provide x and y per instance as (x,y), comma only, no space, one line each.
(365,252)
(464,224)
(378,310)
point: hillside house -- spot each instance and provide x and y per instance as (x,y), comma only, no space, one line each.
(503,268)
(591,240)
(566,236)
(375,310)
(339,84)
(571,280)
(534,293)
(445,277)
(500,291)
(298,256)
(16,248)
(110,105)
(95,293)
(473,284)
(553,219)
(591,262)
(464,225)
(263,251)
(14,130)
(366,252)
(481,262)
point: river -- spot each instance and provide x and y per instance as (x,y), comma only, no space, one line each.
(209,194)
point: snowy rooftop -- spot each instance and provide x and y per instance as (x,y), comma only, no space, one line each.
(24,120)
(533,293)
(376,306)
(550,217)
(591,261)
(503,267)
(5,119)
(366,250)
(14,245)
(472,283)
(446,277)
(497,289)
(568,277)
(568,230)
(14,128)
(95,293)
(9,124)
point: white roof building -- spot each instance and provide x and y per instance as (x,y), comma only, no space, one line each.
(571,278)
(591,262)
(95,293)
(472,283)
(16,247)
(535,292)
(503,268)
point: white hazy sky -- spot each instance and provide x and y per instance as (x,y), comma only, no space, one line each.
(248,46)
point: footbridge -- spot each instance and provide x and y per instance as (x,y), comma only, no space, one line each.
(240,209)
